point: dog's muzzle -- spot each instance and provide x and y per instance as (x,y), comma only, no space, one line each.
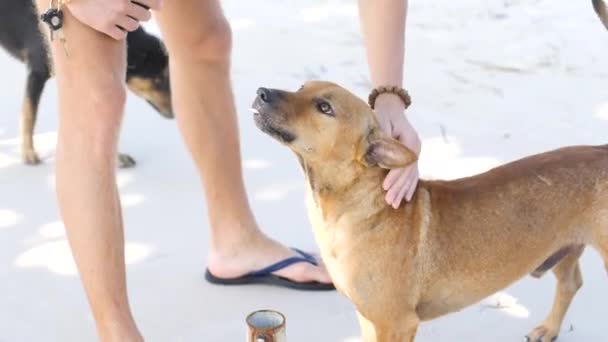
(267,115)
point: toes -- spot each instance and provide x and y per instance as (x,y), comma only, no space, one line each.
(297,272)
(314,273)
(125,161)
(320,274)
(303,272)
(30,158)
(542,334)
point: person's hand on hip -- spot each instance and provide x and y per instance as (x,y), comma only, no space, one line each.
(115,18)
(399,183)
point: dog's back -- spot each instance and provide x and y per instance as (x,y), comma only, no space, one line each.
(600,8)
(20,34)
(526,212)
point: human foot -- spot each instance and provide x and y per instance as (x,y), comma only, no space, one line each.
(238,263)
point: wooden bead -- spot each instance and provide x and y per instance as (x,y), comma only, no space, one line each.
(402,93)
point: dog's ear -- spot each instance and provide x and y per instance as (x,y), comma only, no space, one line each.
(387,153)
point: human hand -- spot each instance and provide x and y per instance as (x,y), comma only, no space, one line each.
(399,184)
(115,18)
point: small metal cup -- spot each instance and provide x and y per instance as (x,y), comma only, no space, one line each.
(266,326)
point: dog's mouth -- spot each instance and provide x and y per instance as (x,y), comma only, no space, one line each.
(166,113)
(264,120)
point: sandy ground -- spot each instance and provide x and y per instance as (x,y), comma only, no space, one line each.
(492,81)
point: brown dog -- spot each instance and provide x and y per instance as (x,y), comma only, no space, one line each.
(456,242)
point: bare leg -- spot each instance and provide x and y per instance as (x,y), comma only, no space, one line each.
(199,41)
(569,280)
(91,101)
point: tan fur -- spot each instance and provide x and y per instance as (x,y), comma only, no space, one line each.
(28,153)
(448,248)
(145,88)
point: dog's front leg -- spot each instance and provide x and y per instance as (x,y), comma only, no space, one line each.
(399,330)
(368,332)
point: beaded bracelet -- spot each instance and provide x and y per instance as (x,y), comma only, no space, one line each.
(402,93)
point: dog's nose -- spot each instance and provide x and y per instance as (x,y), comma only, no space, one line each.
(265,95)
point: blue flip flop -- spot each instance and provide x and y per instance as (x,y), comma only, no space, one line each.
(266,276)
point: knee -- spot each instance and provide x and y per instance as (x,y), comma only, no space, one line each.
(91,128)
(106,104)
(213,44)
(105,120)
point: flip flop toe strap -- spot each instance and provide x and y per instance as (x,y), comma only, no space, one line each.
(311,259)
(304,257)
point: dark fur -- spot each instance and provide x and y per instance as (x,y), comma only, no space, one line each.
(600,8)
(554,259)
(20,36)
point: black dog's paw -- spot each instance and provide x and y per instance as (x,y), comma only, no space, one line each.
(30,157)
(125,161)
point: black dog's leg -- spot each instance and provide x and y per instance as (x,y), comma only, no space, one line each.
(36,80)
(600,8)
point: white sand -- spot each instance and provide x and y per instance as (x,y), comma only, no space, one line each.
(491,81)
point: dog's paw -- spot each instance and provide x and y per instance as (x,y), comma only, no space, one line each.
(30,157)
(125,161)
(542,334)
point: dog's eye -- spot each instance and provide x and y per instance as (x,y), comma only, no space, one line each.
(325,108)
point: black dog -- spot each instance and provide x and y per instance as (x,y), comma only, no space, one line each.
(602,12)
(147,71)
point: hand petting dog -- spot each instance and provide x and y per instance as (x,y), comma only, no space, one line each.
(399,184)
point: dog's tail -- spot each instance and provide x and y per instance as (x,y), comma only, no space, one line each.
(600,8)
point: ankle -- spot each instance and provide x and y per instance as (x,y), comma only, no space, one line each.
(120,334)
(231,233)
(118,330)
(231,244)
